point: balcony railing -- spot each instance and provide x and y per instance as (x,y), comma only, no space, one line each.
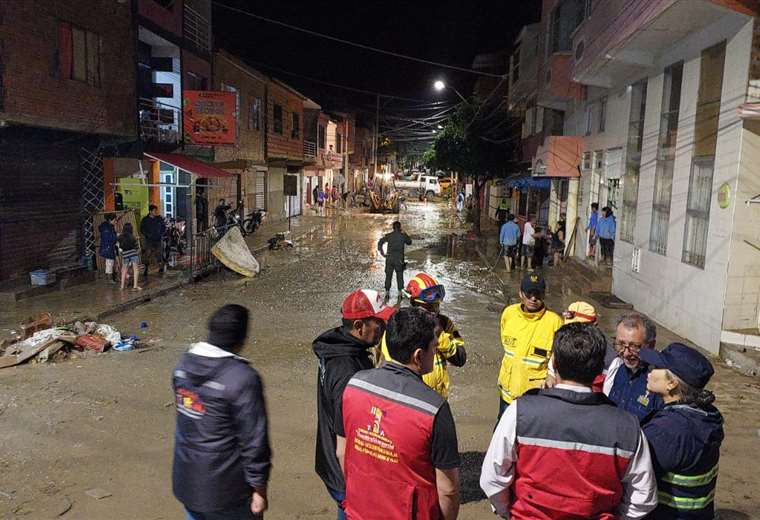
(310,149)
(197,29)
(159,123)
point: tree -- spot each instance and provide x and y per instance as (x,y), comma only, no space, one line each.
(479,141)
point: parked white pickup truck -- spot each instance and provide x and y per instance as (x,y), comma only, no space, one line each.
(421,184)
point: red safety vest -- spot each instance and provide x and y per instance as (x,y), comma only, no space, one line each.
(573,450)
(388,416)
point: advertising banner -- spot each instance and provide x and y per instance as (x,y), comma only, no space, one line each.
(209,117)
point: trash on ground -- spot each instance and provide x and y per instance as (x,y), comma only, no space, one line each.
(234,253)
(42,342)
(280,241)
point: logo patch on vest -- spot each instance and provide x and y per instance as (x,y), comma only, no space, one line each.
(643,400)
(372,441)
(189,403)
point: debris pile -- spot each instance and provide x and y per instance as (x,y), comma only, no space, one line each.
(43,342)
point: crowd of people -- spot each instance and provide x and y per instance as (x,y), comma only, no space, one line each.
(585,428)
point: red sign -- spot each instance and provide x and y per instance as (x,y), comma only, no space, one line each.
(209,117)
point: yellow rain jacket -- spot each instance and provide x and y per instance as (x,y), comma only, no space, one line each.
(527,340)
(450,350)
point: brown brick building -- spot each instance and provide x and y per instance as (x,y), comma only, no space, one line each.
(67,89)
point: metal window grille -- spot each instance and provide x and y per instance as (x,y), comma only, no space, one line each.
(698,211)
(666,150)
(633,160)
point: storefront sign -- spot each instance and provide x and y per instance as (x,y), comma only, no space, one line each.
(724,196)
(209,117)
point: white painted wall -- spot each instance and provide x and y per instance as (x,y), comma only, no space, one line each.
(687,299)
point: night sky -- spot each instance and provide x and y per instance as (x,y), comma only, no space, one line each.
(448,31)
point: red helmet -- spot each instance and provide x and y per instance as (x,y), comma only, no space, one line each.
(425,289)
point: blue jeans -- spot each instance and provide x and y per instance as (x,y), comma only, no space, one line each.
(239,512)
(339,497)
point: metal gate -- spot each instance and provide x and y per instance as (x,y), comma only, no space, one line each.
(260,192)
(91,162)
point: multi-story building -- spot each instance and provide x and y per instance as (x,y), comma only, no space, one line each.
(670,78)
(285,149)
(247,157)
(66,98)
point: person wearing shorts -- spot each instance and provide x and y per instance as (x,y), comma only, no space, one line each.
(527,245)
(130,256)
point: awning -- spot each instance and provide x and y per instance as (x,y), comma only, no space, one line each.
(188,164)
(533,183)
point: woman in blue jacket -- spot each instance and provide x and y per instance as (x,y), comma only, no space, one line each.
(685,436)
(107,250)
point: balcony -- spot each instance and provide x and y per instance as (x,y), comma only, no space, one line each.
(627,39)
(559,156)
(557,89)
(310,150)
(197,30)
(159,123)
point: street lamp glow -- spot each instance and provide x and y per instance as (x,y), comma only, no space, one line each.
(440,127)
(439,85)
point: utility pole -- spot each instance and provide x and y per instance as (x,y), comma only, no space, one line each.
(374,141)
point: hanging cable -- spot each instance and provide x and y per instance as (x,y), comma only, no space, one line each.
(355,44)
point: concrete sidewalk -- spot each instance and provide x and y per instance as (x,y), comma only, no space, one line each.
(101,299)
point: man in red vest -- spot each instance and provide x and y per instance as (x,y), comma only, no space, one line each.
(568,452)
(399,433)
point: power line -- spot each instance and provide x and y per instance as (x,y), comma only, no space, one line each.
(330,84)
(355,44)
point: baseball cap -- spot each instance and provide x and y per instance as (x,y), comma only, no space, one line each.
(365,303)
(685,362)
(533,282)
(582,312)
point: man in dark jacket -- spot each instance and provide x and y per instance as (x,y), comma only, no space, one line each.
(152,228)
(342,352)
(397,241)
(221,445)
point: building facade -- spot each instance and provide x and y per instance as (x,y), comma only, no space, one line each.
(658,121)
(65,100)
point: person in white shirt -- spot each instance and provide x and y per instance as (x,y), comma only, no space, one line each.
(567,452)
(527,245)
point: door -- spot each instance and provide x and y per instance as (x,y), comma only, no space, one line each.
(613,170)
(260,189)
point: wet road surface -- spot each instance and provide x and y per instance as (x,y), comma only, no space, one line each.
(108,421)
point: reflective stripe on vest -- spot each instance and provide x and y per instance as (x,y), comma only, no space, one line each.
(685,503)
(691,480)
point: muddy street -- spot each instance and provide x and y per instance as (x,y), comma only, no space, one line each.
(108,421)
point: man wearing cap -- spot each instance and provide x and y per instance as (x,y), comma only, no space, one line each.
(396,242)
(625,381)
(342,352)
(568,452)
(685,436)
(527,332)
(397,441)
(221,446)
(577,312)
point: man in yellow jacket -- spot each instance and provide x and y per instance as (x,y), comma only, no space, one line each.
(424,291)
(527,335)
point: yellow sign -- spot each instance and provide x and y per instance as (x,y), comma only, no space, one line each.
(724,196)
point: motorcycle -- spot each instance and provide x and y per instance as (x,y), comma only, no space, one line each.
(175,240)
(253,221)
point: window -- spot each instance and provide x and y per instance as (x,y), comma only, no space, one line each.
(633,160)
(602,114)
(703,164)
(295,130)
(589,119)
(277,117)
(564,19)
(589,7)
(666,154)
(321,136)
(586,161)
(338,143)
(230,88)
(79,54)
(254,114)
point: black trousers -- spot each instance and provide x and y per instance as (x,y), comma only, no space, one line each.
(608,248)
(390,267)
